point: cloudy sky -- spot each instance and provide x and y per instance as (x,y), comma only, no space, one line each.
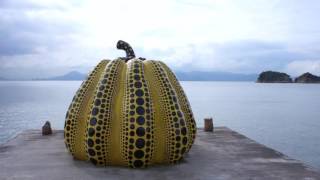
(52,37)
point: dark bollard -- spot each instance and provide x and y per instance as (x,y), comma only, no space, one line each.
(46,129)
(208,125)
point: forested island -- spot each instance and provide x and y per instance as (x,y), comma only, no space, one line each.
(280,77)
(274,77)
(307,78)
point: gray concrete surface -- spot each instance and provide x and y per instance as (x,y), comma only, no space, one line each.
(223,154)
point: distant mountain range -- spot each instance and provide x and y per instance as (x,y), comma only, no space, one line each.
(214,76)
(182,76)
(71,76)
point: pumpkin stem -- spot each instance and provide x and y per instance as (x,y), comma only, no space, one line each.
(127,48)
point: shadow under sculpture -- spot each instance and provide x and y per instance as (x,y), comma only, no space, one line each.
(130,112)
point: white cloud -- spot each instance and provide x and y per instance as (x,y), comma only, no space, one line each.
(297,68)
(208,35)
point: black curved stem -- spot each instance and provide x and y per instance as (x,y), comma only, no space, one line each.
(127,48)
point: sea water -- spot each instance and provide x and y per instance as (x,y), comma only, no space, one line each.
(285,117)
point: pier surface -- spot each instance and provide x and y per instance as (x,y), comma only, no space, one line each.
(224,154)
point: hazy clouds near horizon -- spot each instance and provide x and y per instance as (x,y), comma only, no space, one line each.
(51,37)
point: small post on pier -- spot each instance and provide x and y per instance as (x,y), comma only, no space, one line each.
(46,129)
(208,124)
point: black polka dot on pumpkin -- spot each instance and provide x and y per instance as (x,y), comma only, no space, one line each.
(137,77)
(175,119)
(148,143)
(98,128)
(140,131)
(91,132)
(101,88)
(174,98)
(139,101)
(91,152)
(183,150)
(139,92)
(184,131)
(93,121)
(178,138)
(93,161)
(140,110)
(177,132)
(136,70)
(140,120)
(90,142)
(95,111)
(185,140)
(138,84)
(138,154)
(140,143)
(104,81)
(97,102)
(182,123)
(138,163)
(131,147)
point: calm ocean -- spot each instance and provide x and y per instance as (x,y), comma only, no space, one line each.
(285,117)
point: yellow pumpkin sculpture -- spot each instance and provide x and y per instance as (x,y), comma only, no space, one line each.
(130,112)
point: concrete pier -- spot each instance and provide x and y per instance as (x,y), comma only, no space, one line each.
(224,154)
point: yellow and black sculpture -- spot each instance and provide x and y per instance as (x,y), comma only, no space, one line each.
(130,112)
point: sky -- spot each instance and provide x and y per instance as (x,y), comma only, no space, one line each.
(52,37)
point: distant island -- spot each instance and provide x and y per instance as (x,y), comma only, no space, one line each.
(274,77)
(280,77)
